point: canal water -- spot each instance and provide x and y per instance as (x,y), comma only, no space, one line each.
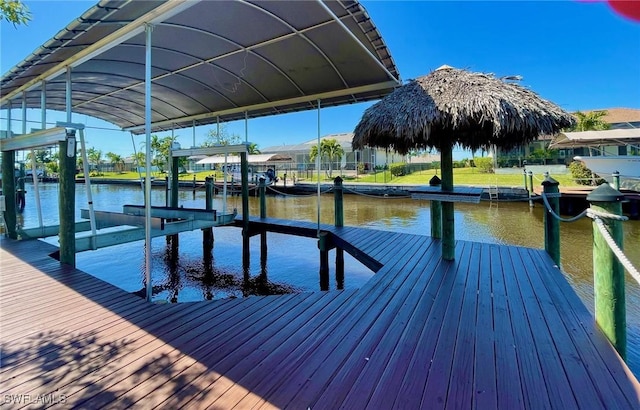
(293,262)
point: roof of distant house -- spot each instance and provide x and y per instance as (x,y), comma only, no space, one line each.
(619,115)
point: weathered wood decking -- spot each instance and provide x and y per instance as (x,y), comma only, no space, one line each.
(497,328)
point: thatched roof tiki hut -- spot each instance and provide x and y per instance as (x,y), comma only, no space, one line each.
(452,106)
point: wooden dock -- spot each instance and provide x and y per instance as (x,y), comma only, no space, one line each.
(499,327)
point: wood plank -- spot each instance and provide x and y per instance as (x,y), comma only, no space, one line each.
(484,390)
(463,390)
(347,326)
(579,380)
(235,330)
(410,390)
(508,378)
(439,372)
(595,352)
(399,334)
(535,392)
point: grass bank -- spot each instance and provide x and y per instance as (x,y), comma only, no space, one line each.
(461,176)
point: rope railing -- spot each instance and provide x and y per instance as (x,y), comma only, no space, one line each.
(616,249)
(555,215)
(598,217)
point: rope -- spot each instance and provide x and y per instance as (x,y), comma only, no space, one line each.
(294,195)
(377,196)
(593,214)
(616,250)
(598,217)
(558,217)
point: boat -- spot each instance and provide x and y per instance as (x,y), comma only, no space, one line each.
(628,166)
(605,164)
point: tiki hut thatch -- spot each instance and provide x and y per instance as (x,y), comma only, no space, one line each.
(452,106)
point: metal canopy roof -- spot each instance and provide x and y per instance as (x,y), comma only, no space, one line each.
(597,138)
(209,59)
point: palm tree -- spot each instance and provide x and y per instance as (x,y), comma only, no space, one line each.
(94,156)
(116,160)
(253,149)
(330,150)
(591,121)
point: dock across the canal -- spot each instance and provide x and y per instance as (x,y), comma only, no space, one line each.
(498,327)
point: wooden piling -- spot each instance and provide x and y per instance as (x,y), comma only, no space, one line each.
(67,202)
(323,245)
(207,233)
(174,239)
(551,224)
(530,178)
(263,214)
(609,293)
(616,180)
(244,172)
(338,195)
(436,211)
(448,219)
(9,192)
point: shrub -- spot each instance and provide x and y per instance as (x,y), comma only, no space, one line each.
(484,164)
(361,168)
(460,164)
(583,175)
(399,169)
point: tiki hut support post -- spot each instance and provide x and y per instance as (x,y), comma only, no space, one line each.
(448,230)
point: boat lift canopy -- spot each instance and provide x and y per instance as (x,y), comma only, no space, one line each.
(211,61)
(597,138)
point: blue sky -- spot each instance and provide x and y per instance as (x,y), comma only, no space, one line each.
(580,55)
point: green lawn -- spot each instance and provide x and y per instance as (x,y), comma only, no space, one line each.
(461,176)
(466,176)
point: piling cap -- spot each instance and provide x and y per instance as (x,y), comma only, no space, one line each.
(337,180)
(549,181)
(605,193)
(435,181)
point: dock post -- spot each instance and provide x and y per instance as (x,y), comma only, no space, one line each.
(616,180)
(174,239)
(262,188)
(9,193)
(609,294)
(67,199)
(448,217)
(21,192)
(207,233)
(338,195)
(551,224)
(530,178)
(524,176)
(436,212)
(167,199)
(244,181)
(323,238)
(194,185)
